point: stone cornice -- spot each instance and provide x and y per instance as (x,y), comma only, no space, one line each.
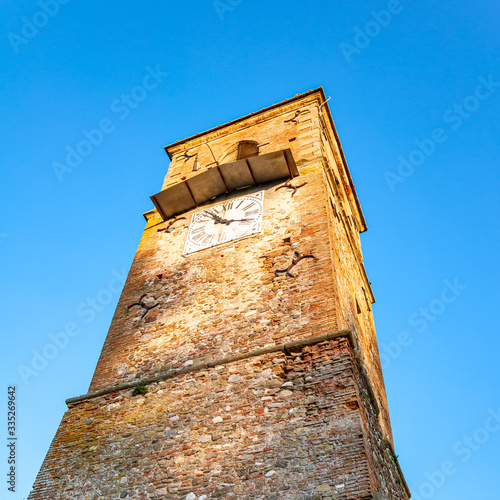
(285,348)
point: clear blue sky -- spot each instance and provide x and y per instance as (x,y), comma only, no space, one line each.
(416,100)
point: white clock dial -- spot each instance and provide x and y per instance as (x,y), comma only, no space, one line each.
(225,222)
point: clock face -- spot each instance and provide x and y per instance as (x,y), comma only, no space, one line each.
(225,222)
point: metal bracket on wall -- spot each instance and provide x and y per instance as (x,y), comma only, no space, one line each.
(293,120)
(143,305)
(289,186)
(296,259)
(186,156)
(169,228)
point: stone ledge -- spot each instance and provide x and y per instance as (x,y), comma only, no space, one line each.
(285,348)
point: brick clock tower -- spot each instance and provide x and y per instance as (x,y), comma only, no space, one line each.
(242,359)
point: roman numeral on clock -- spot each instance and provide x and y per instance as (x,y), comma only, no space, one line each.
(198,230)
(207,239)
(225,222)
(255,211)
(251,204)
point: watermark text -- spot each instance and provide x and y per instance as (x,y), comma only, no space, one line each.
(11,438)
(94,137)
(455,116)
(58,341)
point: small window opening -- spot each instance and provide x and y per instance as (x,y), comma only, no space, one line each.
(334,209)
(358,309)
(196,165)
(366,300)
(247,149)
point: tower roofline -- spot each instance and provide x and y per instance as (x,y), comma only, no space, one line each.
(324,103)
(242,118)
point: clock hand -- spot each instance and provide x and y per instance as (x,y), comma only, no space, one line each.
(214,216)
(220,220)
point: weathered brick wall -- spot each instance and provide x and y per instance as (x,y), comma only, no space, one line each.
(271,427)
(310,424)
(225,299)
(272,130)
(351,295)
(352,284)
(207,299)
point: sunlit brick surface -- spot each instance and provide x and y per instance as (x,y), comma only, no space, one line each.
(270,427)
(309,424)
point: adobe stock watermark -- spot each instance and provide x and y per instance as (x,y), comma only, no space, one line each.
(223,6)
(32,26)
(455,115)
(464,448)
(59,341)
(420,321)
(94,137)
(363,36)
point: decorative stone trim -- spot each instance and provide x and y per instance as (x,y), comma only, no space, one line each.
(285,348)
